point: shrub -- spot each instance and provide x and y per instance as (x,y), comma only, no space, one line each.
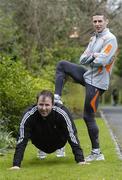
(17,91)
(6,142)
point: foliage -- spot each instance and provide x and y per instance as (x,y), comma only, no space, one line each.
(73,97)
(32,26)
(51,56)
(17,90)
(29,34)
(18,87)
(6,142)
(59,51)
(8,32)
(118,70)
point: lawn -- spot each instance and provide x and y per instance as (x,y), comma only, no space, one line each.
(53,168)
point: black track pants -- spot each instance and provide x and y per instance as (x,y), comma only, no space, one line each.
(65,68)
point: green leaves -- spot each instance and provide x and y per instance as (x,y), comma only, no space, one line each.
(18,89)
(6,142)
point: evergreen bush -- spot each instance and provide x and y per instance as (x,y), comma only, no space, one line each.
(18,89)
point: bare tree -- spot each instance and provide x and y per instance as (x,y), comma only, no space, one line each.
(42,22)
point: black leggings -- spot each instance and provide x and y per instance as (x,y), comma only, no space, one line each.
(65,68)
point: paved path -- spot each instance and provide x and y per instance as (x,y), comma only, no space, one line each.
(113,117)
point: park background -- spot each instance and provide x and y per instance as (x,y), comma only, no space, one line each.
(34,36)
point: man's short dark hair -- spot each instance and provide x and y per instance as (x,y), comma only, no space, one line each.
(46,93)
(99,13)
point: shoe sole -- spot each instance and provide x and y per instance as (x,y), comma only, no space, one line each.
(94,160)
(59,156)
(43,157)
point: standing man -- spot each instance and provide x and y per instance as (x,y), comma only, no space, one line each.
(98,59)
(49,127)
(115,96)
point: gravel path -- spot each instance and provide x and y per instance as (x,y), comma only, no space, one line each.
(113,118)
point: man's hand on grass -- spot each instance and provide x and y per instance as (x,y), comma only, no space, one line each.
(83,163)
(14,168)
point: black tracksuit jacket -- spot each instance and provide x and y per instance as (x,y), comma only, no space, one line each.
(47,133)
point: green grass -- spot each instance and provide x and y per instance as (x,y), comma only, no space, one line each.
(53,168)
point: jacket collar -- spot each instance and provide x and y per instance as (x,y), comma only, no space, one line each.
(105,31)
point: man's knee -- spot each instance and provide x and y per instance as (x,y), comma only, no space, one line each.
(89,120)
(88,117)
(61,66)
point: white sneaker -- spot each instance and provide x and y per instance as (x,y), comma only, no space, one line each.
(57,99)
(60,152)
(95,157)
(41,154)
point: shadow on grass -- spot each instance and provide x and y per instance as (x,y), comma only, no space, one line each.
(48,162)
